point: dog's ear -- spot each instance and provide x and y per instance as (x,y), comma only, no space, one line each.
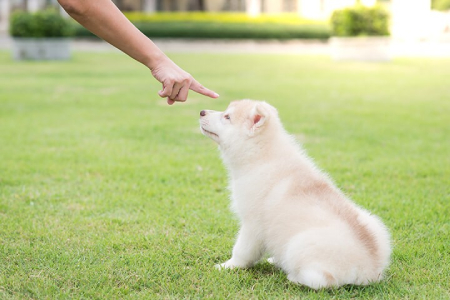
(258,118)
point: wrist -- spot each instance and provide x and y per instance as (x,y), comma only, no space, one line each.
(155,58)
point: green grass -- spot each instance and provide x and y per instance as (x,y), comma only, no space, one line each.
(106,192)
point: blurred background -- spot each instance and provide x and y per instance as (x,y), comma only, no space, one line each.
(426,23)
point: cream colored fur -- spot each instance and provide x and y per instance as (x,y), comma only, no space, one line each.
(289,208)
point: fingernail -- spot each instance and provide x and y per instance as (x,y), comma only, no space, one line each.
(216,95)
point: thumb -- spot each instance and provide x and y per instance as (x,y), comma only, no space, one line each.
(198,88)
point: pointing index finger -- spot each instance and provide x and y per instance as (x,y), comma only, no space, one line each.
(198,88)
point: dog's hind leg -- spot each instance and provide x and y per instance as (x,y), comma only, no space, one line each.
(247,250)
(313,278)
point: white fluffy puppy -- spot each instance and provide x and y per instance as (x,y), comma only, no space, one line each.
(288,207)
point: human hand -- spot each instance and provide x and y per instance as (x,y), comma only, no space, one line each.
(177,82)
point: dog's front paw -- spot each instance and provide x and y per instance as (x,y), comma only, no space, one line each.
(226,265)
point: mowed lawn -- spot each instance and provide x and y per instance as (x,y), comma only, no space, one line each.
(106,192)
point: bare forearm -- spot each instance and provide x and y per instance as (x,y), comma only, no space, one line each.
(105,20)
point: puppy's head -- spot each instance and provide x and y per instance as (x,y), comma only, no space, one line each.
(241,121)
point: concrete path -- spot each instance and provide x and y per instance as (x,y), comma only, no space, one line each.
(205,46)
(432,48)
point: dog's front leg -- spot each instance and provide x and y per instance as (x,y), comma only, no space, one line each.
(247,250)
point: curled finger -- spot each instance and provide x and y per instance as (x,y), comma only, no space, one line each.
(182,95)
(167,89)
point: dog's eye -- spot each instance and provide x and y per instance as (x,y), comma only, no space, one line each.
(227,117)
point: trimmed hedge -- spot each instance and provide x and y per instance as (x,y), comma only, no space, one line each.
(47,23)
(442,5)
(360,21)
(223,26)
(219,17)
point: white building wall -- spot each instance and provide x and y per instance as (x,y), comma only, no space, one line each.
(253,7)
(149,6)
(216,5)
(411,19)
(273,6)
(4,15)
(322,9)
(440,25)
(369,3)
(34,5)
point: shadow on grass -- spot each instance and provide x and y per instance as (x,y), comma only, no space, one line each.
(265,269)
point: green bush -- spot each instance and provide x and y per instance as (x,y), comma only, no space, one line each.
(224,31)
(47,23)
(223,26)
(440,4)
(360,21)
(219,17)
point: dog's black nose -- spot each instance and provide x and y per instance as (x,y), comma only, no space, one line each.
(203,113)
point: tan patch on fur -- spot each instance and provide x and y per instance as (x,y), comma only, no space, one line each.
(241,113)
(324,191)
(363,233)
(318,187)
(330,278)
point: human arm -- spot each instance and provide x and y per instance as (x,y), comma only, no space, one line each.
(105,20)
